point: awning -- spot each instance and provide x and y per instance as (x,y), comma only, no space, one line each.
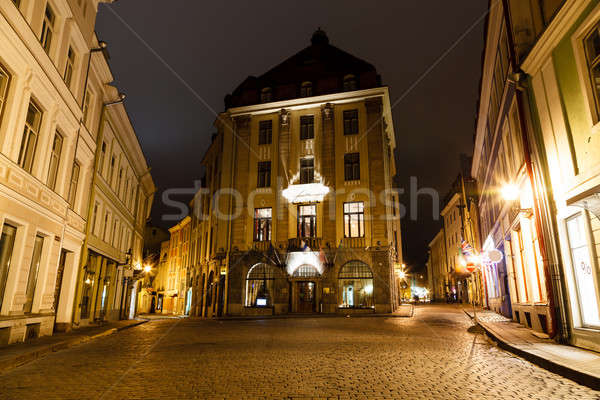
(590,202)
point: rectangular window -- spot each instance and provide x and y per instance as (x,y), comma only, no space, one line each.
(307,220)
(87,104)
(4,78)
(352,167)
(55,160)
(350,122)
(30,137)
(265,132)
(102,157)
(592,51)
(70,66)
(74,184)
(583,270)
(7,241)
(307,127)
(32,277)
(307,170)
(262,224)
(354,219)
(113,161)
(47,29)
(264,174)
(94,218)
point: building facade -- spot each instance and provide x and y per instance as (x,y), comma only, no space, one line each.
(438,271)
(53,83)
(297,212)
(560,78)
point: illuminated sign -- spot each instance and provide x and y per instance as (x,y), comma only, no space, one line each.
(261,302)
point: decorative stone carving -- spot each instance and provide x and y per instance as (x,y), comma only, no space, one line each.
(327,111)
(284,117)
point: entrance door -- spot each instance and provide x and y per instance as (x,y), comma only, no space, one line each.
(306,297)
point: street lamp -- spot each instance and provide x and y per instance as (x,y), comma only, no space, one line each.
(147,268)
(511,193)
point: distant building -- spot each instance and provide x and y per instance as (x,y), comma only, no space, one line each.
(437,269)
(304,145)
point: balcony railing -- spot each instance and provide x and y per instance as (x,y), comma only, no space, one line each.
(302,244)
(354,243)
(262,246)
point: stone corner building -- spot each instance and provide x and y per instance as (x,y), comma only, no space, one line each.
(308,149)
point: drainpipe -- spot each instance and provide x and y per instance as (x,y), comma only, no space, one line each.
(520,98)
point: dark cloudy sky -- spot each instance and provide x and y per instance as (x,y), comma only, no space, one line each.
(214,45)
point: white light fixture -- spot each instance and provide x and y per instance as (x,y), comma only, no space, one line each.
(510,192)
(308,192)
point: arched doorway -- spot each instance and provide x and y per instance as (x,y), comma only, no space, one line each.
(263,283)
(305,279)
(355,285)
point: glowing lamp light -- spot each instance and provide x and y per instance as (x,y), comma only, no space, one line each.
(510,192)
(401,274)
(261,302)
(304,193)
(88,281)
(368,289)
(147,268)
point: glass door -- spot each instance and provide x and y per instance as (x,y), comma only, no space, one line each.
(583,270)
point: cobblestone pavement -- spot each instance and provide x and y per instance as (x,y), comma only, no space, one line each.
(434,355)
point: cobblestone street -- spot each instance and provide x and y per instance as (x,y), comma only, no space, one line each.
(433,355)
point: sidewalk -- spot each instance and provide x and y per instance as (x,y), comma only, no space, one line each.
(579,365)
(15,355)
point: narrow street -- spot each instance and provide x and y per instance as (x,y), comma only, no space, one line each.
(434,355)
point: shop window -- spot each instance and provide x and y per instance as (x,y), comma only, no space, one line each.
(262,282)
(7,241)
(583,270)
(355,282)
(32,276)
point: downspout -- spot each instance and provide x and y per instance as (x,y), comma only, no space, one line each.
(519,95)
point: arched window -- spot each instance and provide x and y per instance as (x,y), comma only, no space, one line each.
(266,95)
(355,282)
(261,283)
(350,83)
(306,271)
(306,90)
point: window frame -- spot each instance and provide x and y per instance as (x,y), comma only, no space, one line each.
(265,132)
(303,219)
(263,175)
(307,127)
(350,122)
(28,151)
(4,90)
(307,172)
(69,66)
(348,219)
(48,28)
(262,233)
(352,167)
(54,162)
(73,184)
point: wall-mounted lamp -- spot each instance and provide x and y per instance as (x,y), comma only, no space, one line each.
(122,97)
(511,193)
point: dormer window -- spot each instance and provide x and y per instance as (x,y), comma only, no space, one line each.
(306,90)
(266,95)
(350,83)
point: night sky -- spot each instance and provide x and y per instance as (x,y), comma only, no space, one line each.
(213,46)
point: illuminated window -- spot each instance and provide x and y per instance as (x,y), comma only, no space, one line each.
(47,28)
(265,132)
(7,241)
(264,174)
(350,83)
(30,137)
(306,271)
(354,219)
(592,51)
(307,170)
(307,220)
(54,160)
(350,122)
(264,283)
(355,282)
(306,90)
(70,66)
(266,95)
(352,167)
(4,78)
(307,127)
(262,224)
(32,276)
